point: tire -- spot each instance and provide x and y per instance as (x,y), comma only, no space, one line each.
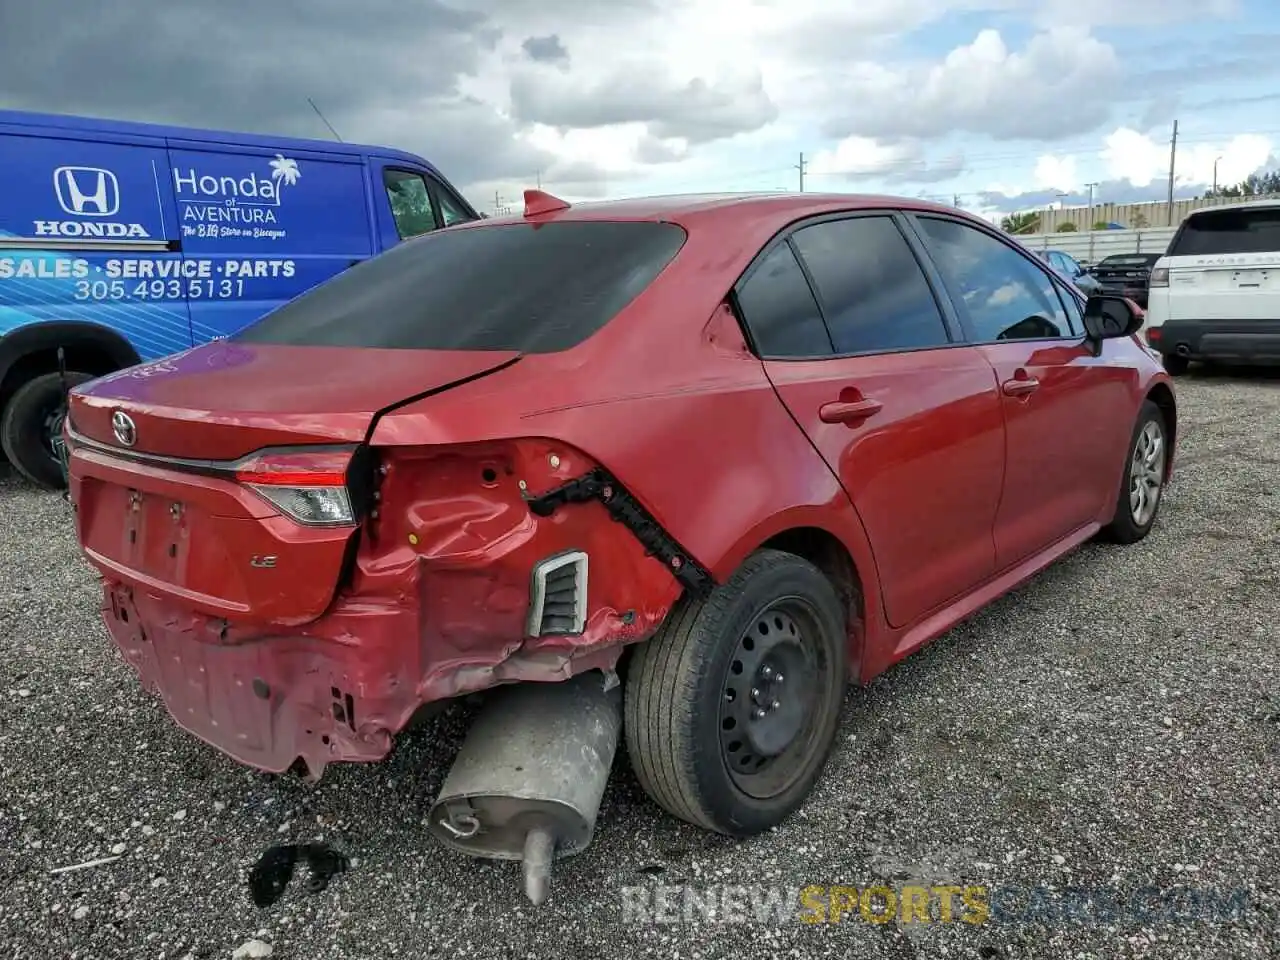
(1175,365)
(677,684)
(25,422)
(1128,524)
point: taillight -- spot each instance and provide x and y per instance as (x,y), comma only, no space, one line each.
(1154,336)
(1159,277)
(310,487)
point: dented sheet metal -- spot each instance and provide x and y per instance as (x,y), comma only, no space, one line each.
(435,607)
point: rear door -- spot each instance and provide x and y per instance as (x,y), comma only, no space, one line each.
(1224,265)
(859,349)
(259,227)
(1066,411)
(81,217)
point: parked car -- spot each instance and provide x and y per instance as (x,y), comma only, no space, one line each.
(1071,268)
(1215,294)
(1126,275)
(741,449)
(123,242)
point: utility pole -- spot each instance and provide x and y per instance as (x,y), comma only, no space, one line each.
(1173,157)
(800,166)
(497,203)
(1215,175)
(539,179)
(955,200)
(1089,209)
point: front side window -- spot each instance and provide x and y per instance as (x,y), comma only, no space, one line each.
(410,202)
(874,294)
(451,211)
(1006,296)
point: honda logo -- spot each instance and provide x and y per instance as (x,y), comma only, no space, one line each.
(87,191)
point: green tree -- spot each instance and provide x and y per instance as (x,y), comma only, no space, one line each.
(1100,224)
(1139,221)
(1028,222)
(1068,227)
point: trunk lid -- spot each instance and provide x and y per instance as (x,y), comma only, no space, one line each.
(186,515)
(224,400)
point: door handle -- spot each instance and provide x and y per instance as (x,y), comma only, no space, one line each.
(848,411)
(1020,388)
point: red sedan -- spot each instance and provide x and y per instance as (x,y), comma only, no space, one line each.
(738,449)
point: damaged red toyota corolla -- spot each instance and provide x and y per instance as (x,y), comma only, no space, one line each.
(737,448)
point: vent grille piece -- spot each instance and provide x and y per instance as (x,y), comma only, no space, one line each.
(558,595)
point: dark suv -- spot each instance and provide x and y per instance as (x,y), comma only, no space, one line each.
(1127,275)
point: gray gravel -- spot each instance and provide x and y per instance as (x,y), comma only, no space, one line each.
(1115,724)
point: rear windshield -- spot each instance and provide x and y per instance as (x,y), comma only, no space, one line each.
(1131,260)
(1228,231)
(532,288)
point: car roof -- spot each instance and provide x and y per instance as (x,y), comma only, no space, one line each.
(1243,205)
(58,121)
(726,209)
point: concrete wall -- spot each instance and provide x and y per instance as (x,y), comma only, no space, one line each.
(1092,246)
(1134,215)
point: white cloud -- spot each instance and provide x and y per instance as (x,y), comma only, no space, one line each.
(1135,157)
(1049,90)
(855,158)
(1056,173)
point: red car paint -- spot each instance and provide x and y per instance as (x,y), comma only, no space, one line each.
(328,650)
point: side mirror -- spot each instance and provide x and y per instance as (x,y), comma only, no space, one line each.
(1110,317)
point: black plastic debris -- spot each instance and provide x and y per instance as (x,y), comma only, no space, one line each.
(274,869)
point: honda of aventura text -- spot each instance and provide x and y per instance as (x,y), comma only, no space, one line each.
(124,242)
(1215,294)
(673,469)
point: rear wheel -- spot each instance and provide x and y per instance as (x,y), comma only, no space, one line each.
(1175,365)
(31,425)
(732,707)
(1142,487)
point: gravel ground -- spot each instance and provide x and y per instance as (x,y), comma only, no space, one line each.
(1114,725)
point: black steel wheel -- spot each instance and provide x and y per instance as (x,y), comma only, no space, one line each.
(732,708)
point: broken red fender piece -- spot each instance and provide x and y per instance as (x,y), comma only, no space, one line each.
(537,202)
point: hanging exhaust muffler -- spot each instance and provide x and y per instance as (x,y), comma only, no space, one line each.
(528,781)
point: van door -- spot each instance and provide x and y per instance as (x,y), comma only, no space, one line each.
(260,227)
(411,201)
(88,234)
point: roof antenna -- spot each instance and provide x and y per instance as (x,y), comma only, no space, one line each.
(323,120)
(538,202)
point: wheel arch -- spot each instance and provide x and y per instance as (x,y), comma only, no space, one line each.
(835,543)
(1162,396)
(32,350)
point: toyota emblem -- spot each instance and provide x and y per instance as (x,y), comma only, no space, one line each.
(125,430)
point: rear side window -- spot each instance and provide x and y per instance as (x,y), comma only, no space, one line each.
(532,288)
(780,310)
(1228,231)
(873,291)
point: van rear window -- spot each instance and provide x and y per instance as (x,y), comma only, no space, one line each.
(1228,231)
(535,288)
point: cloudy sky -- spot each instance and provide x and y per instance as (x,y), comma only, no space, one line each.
(999,103)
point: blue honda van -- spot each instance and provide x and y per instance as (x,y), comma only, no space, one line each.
(125,242)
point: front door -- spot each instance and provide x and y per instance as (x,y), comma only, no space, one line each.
(909,419)
(1060,408)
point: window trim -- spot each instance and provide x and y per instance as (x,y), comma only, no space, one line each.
(426,185)
(951,321)
(436,186)
(971,332)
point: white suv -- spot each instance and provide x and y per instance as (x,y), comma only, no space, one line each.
(1215,294)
